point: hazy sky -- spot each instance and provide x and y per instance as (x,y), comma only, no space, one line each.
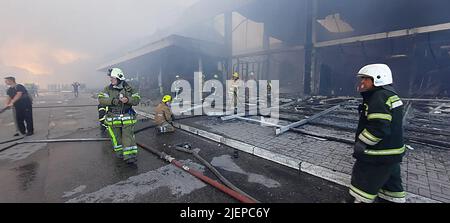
(61,41)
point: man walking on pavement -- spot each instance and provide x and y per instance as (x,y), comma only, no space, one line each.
(164,116)
(119,97)
(19,99)
(379,145)
(76,86)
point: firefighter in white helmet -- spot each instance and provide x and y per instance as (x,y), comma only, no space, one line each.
(215,77)
(379,145)
(119,98)
(252,76)
(178,89)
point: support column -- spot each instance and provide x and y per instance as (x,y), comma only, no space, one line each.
(310,81)
(161,90)
(414,71)
(138,82)
(266,47)
(315,69)
(228,16)
(200,64)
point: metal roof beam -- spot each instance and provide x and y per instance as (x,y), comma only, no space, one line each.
(385,35)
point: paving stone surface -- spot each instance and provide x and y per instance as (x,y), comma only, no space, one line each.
(425,170)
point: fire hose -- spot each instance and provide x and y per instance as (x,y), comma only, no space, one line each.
(53,141)
(12,140)
(215,171)
(240,197)
(64,106)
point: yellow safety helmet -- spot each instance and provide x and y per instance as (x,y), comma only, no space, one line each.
(236,74)
(166,98)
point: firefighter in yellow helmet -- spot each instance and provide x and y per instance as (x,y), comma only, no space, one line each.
(164,116)
(234,91)
(235,76)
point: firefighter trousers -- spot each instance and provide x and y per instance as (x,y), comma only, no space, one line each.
(122,136)
(371,180)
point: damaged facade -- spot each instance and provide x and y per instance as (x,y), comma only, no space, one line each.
(313,47)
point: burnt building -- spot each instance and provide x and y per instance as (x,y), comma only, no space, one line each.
(314,47)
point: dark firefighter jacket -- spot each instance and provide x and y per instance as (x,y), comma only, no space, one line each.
(380,127)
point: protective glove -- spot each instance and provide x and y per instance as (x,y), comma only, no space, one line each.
(115,101)
(359,147)
(360,108)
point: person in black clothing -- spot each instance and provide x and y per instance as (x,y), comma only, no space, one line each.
(19,98)
(76,86)
(379,146)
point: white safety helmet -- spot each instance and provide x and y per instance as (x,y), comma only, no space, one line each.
(381,74)
(117,73)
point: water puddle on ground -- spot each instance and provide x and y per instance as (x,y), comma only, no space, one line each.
(178,181)
(225,162)
(26,175)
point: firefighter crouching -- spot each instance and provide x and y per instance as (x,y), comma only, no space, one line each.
(164,116)
(119,97)
(379,146)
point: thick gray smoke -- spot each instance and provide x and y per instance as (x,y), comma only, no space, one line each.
(51,41)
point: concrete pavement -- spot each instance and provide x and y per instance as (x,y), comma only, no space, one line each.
(89,172)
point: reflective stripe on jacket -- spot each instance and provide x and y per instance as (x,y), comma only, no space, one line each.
(380,126)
